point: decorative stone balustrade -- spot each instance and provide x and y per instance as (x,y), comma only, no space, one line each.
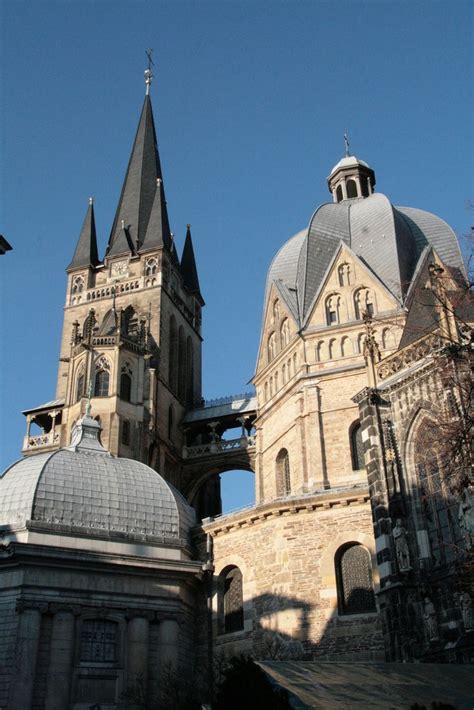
(98,341)
(218,447)
(41,441)
(106,291)
(411,354)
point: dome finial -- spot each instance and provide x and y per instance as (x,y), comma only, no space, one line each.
(148,72)
(346,144)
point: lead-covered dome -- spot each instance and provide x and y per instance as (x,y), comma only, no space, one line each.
(84,488)
(388,239)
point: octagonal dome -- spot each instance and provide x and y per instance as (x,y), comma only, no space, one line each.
(388,239)
(84,487)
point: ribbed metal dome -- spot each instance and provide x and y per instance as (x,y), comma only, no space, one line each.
(388,239)
(84,487)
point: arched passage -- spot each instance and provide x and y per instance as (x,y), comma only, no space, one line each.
(222,489)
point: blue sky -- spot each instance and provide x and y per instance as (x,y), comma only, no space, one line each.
(251,101)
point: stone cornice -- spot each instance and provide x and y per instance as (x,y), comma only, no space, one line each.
(323,501)
(47,555)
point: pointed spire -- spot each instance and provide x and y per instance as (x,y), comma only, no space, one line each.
(158,230)
(139,189)
(86,249)
(188,267)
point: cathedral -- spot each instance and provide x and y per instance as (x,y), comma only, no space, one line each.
(117,565)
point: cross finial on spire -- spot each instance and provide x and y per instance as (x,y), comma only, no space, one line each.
(148,71)
(91,200)
(346,144)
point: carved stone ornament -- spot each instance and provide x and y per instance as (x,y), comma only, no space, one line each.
(430,621)
(399,535)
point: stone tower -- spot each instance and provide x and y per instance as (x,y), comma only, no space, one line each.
(131,336)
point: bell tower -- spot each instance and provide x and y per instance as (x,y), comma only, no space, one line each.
(131,340)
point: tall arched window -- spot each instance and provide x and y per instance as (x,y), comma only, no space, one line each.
(125,387)
(172,355)
(189,372)
(80,385)
(339,193)
(101,381)
(181,363)
(355,593)
(351,188)
(437,507)
(271,347)
(170,422)
(357,446)
(283,473)
(285,333)
(231,600)
(125,432)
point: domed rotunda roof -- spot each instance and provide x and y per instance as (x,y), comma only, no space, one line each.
(83,487)
(389,240)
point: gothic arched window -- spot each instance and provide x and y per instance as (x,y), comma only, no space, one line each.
(99,641)
(231,600)
(101,385)
(125,387)
(438,508)
(77,284)
(357,446)
(283,473)
(102,377)
(151,266)
(170,422)
(80,385)
(126,432)
(189,372)
(172,355)
(355,592)
(181,363)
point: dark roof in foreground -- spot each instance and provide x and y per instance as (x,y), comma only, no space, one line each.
(398,686)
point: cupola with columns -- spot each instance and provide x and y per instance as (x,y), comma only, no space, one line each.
(351,178)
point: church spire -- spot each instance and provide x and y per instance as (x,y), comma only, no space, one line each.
(86,249)
(188,267)
(158,230)
(137,198)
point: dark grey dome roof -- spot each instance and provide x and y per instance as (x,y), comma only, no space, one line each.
(388,239)
(83,486)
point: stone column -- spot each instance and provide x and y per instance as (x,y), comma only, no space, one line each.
(168,639)
(137,666)
(60,661)
(24,663)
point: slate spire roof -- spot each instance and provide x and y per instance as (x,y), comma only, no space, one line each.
(86,249)
(188,267)
(142,204)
